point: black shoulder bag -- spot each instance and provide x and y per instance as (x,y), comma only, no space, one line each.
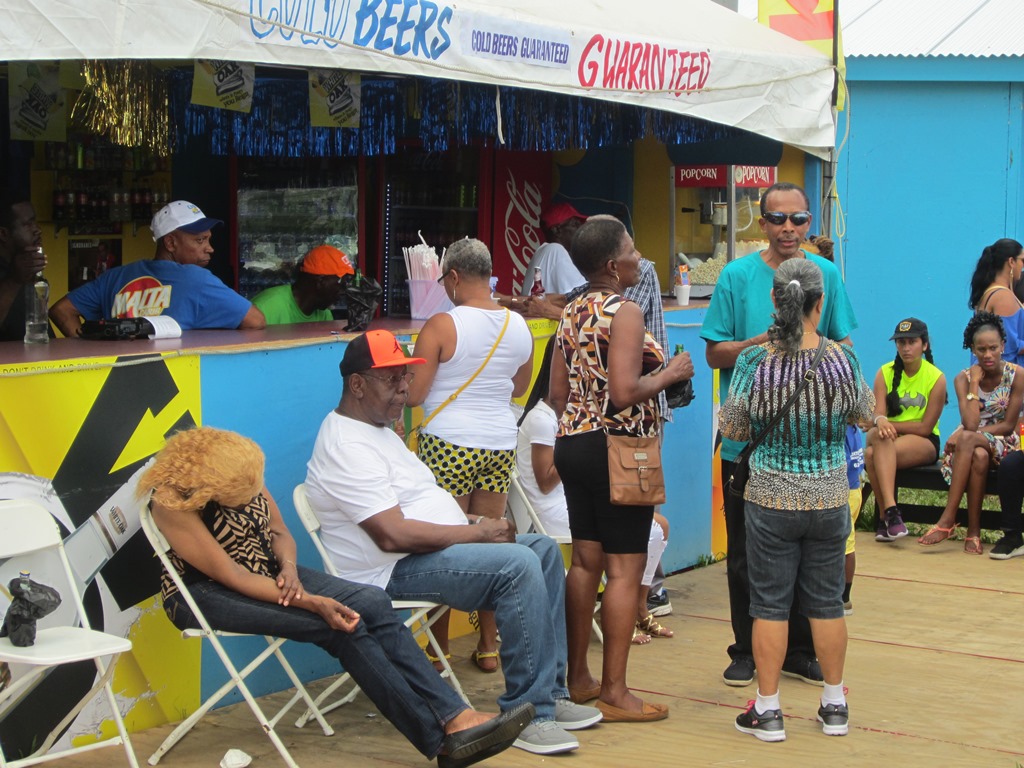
(741,467)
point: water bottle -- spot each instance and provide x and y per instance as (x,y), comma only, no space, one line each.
(37,304)
(24,583)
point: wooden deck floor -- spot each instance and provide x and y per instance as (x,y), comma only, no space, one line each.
(935,671)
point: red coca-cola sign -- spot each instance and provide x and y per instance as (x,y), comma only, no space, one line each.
(716,175)
(522,187)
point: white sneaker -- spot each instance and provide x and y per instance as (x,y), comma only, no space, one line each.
(575,717)
(545,737)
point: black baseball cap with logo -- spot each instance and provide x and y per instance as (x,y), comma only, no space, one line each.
(911,328)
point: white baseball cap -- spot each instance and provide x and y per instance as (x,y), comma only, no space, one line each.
(181,214)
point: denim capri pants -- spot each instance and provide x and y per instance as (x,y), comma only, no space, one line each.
(801,550)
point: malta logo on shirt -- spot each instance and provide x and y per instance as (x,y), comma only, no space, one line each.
(142,297)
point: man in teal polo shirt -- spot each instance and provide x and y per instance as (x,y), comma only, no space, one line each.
(317,287)
(739,316)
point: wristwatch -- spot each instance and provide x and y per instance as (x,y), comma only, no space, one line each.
(972,396)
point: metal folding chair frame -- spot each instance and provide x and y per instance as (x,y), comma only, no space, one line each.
(237,676)
(526,520)
(419,622)
(26,527)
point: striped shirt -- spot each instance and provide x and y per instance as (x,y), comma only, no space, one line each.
(801,464)
(243,532)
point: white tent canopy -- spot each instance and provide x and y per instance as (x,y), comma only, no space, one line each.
(689,57)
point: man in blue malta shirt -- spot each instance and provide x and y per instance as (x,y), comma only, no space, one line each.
(174,282)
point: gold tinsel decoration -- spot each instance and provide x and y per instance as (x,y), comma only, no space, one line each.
(125,101)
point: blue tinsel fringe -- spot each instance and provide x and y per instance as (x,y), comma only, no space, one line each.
(442,114)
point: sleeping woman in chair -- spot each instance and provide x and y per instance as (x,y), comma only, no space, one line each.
(231,547)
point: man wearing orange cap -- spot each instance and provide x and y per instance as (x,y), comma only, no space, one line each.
(317,287)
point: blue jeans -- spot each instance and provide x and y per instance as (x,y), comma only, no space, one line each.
(796,550)
(381,654)
(524,584)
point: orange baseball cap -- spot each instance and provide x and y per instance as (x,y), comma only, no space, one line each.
(327,260)
(375,349)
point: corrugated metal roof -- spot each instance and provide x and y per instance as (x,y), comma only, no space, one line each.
(980,28)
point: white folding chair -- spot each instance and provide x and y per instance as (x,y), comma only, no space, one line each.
(526,520)
(419,622)
(27,528)
(237,676)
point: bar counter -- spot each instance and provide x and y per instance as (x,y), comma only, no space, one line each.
(88,415)
(213,341)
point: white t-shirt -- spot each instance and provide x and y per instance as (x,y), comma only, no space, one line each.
(479,417)
(557,272)
(539,428)
(357,471)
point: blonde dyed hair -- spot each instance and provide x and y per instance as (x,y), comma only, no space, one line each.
(201,465)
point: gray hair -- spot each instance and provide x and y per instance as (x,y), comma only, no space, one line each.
(797,286)
(469,257)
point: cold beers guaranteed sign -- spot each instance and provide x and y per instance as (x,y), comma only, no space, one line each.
(717,175)
(688,57)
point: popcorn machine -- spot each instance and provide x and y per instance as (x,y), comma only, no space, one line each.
(714,211)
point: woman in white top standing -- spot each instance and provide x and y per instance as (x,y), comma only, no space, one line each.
(469,442)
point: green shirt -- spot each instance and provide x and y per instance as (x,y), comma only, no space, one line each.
(741,308)
(913,391)
(278,305)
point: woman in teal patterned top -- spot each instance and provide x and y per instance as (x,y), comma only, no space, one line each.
(797,512)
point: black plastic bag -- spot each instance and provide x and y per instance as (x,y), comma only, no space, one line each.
(28,606)
(362,294)
(680,394)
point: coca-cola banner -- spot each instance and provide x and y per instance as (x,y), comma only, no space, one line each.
(522,187)
(716,175)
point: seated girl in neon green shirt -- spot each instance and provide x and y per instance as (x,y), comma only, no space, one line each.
(910,393)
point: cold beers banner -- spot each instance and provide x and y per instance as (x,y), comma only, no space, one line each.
(688,57)
(717,175)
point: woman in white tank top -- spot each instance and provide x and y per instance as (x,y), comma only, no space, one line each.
(469,442)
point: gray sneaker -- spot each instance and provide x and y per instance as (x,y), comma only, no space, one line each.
(834,719)
(545,737)
(575,717)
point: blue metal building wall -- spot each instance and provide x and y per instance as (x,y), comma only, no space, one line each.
(929,176)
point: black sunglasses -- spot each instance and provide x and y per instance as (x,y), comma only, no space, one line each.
(778,219)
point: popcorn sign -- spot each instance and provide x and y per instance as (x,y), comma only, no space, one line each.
(755,176)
